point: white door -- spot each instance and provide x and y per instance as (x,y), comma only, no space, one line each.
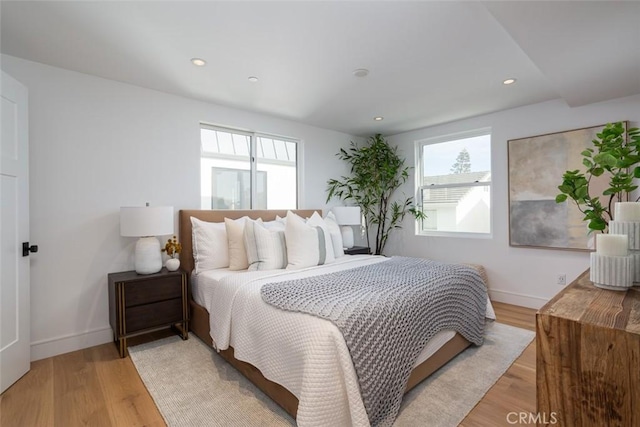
(15,354)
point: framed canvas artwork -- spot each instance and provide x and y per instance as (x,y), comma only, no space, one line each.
(536,167)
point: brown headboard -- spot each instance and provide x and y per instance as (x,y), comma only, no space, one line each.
(184,218)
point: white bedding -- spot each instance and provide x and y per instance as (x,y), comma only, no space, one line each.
(305,354)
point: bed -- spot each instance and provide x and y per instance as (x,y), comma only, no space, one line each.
(333,397)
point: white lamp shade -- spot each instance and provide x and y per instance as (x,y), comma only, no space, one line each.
(145,221)
(347,215)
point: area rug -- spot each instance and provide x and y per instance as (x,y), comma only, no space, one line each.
(193,386)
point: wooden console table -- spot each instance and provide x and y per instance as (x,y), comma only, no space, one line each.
(588,356)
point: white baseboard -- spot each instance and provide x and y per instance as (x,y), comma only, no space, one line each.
(522,300)
(64,344)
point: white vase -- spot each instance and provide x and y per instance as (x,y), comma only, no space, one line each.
(172,264)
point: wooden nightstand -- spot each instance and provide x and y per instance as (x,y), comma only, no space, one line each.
(357,250)
(142,302)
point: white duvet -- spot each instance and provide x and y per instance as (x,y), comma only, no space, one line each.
(305,354)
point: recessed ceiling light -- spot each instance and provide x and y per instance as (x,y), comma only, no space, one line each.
(253,79)
(378,119)
(198,62)
(509,82)
(361,72)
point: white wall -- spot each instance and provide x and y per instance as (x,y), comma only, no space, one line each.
(97,145)
(519,276)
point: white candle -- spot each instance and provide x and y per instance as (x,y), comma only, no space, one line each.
(612,244)
(626,211)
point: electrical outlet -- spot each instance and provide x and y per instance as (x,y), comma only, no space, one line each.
(561,279)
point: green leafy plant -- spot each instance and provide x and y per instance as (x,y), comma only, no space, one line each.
(376,173)
(616,152)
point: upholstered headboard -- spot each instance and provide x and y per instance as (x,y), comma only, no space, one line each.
(184,218)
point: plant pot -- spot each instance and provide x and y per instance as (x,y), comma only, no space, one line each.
(172,264)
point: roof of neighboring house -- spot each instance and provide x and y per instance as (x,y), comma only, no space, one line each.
(451,194)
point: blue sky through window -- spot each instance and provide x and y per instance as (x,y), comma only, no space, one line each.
(439,158)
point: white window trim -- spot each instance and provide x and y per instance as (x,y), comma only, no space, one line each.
(419,173)
(252,156)
(298,143)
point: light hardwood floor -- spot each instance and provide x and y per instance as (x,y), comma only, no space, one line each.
(94,387)
(515,391)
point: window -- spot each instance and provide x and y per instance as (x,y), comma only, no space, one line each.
(454,183)
(234,178)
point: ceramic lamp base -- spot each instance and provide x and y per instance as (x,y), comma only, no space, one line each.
(148,259)
(347,236)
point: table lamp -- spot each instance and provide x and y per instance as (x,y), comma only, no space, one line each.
(147,223)
(346,216)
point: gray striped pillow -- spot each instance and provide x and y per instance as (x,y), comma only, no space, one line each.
(306,244)
(266,249)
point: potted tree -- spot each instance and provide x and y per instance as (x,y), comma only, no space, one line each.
(616,152)
(377,171)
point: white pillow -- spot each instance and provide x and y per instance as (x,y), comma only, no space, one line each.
(266,248)
(274,225)
(210,247)
(316,220)
(336,234)
(305,243)
(237,251)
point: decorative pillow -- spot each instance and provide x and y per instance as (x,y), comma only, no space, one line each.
(336,234)
(210,247)
(266,248)
(235,235)
(316,220)
(274,225)
(306,245)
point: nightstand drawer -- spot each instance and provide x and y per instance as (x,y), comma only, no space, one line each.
(138,303)
(151,315)
(148,291)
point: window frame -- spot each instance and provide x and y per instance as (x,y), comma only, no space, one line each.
(419,187)
(253,159)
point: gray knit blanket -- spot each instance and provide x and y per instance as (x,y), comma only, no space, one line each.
(387,312)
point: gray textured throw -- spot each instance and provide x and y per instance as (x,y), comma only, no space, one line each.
(387,312)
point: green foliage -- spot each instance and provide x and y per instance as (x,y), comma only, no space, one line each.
(463,162)
(615,152)
(376,173)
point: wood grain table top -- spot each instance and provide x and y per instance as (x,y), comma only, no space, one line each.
(583,302)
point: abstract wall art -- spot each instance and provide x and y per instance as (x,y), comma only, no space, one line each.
(536,166)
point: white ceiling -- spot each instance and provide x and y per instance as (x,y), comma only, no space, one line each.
(429,62)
